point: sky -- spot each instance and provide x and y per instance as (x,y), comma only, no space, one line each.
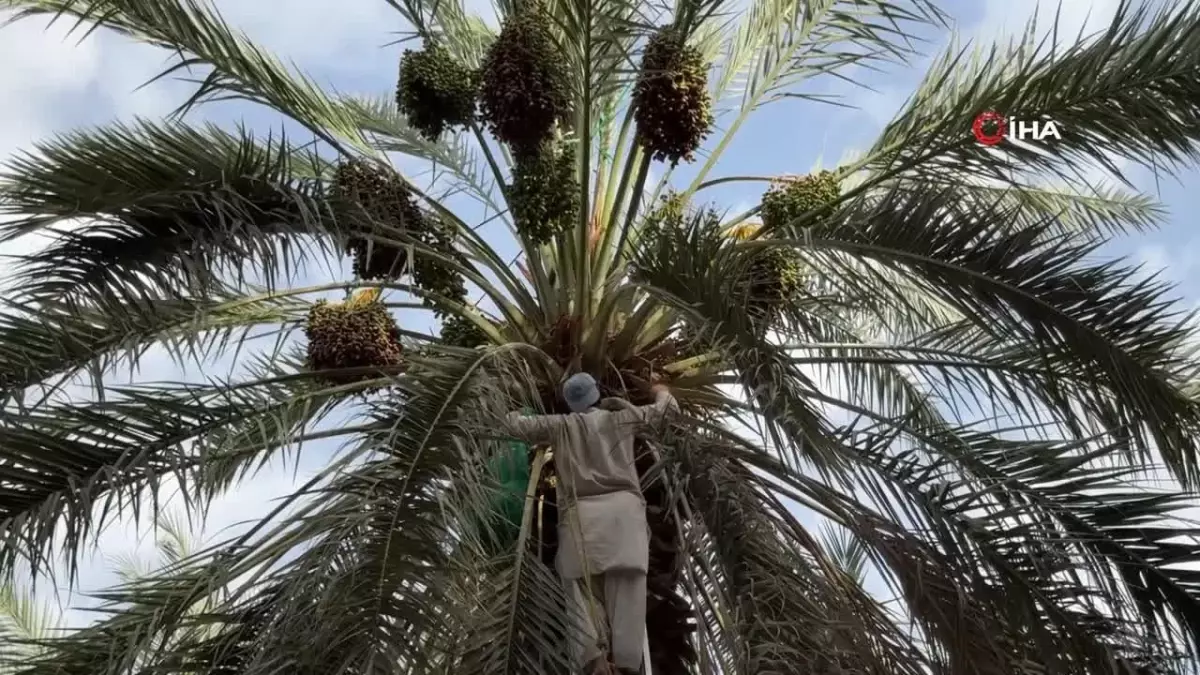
(61,84)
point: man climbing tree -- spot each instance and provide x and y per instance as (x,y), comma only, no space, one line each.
(605,541)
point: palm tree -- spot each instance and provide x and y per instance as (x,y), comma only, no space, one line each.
(917,347)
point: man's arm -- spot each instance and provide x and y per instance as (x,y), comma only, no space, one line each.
(531,428)
(663,406)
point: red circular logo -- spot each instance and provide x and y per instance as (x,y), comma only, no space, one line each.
(990,128)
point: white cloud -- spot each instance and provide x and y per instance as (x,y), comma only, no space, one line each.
(314,35)
(1154,257)
(1075,18)
(1177,263)
(49,69)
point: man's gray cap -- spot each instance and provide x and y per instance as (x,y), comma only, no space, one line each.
(580,392)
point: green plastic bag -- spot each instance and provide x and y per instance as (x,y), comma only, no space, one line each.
(506,508)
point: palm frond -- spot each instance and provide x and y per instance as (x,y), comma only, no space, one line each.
(138,618)
(465,35)
(22,619)
(175,542)
(391,133)
(1082,321)
(71,467)
(128,567)
(801,610)
(848,553)
(701,274)
(1094,211)
(52,339)
(1066,550)
(515,599)
(372,586)
(781,44)
(158,206)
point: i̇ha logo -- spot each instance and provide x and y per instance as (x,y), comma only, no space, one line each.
(991,127)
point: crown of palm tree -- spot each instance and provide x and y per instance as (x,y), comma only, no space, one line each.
(847,359)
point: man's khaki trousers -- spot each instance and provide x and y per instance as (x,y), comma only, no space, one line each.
(619,600)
